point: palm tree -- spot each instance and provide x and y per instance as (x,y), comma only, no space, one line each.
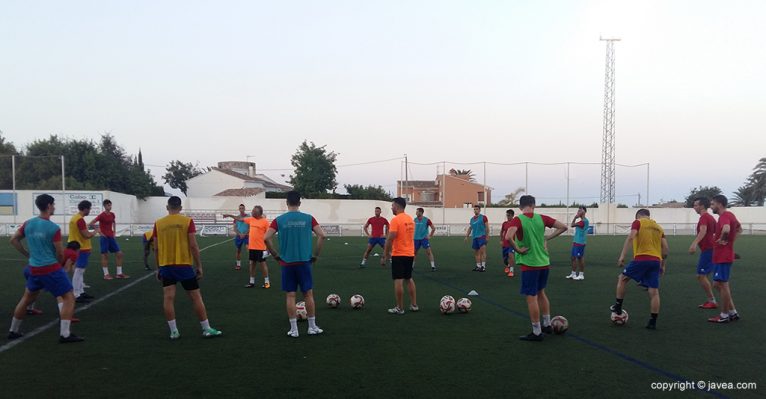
(465,174)
(510,199)
(744,196)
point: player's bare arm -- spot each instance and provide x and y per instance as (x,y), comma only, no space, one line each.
(195,254)
(560,228)
(366,232)
(16,243)
(628,243)
(700,236)
(468,233)
(319,232)
(268,239)
(387,250)
(725,230)
(510,235)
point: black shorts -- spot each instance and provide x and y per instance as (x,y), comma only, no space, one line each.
(401,267)
(256,255)
(189,284)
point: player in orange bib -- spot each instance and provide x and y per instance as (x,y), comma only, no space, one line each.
(256,245)
(400,249)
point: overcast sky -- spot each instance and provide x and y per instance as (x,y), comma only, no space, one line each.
(462,81)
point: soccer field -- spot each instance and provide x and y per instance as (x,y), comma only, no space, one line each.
(369,353)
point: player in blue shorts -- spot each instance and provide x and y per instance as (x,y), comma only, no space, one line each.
(423,237)
(650,248)
(478,229)
(45,253)
(509,255)
(296,256)
(580,223)
(241,239)
(705,240)
(378,235)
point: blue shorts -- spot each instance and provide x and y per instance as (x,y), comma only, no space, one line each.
(177,273)
(297,275)
(578,251)
(646,272)
(109,244)
(424,243)
(377,241)
(57,283)
(239,242)
(82,259)
(721,272)
(705,263)
(533,281)
(507,251)
(478,242)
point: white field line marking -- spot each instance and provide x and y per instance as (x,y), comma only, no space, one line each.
(55,322)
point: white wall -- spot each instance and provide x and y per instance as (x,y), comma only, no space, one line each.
(211,183)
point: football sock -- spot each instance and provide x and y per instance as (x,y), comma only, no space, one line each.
(119,269)
(106,270)
(61,306)
(172,325)
(546,320)
(15,324)
(536,329)
(433,264)
(483,264)
(581,274)
(511,269)
(711,300)
(31,306)
(252,280)
(478,265)
(293,324)
(266,280)
(732,312)
(724,315)
(364,260)
(64,328)
(239,263)
(205,324)
(77,281)
(618,305)
(312,322)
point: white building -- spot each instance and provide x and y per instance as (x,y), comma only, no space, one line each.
(233,179)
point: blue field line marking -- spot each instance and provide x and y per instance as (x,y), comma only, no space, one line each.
(592,344)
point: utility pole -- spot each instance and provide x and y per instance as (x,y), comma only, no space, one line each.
(607,149)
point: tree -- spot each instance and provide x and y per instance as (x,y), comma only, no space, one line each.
(744,196)
(511,198)
(357,191)
(701,191)
(178,172)
(315,170)
(465,174)
(7,149)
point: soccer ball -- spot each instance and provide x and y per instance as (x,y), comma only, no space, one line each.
(621,319)
(447,304)
(356,301)
(300,311)
(464,305)
(560,324)
(333,300)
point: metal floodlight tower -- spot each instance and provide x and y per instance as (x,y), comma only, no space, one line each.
(607,149)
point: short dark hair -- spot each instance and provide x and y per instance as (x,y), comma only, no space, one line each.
(526,200)
(258,207)
(42,201)
(293,198)
(721,199)
(477,206)
(704,201)
(510,212)
(84,204)
(420,210)
(643,212)
(584,209)
(106,202)
(73,245)
(174,202)
(241,205)
(401,202)
(378,208)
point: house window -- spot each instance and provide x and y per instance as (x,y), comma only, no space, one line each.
(427,196)
(481,196)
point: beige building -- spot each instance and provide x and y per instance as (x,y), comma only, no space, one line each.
(446,190)
(233,179)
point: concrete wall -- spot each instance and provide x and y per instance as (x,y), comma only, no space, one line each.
(212,183)
(354,213)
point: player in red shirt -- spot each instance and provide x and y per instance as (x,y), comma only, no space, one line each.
(106,221)
(726,231)
(705,241)
(509,256)
(377,237)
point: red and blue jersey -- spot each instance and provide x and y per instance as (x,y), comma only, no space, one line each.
(106,222)
(708,241)
(725,253)
(41,235)
(295,236)
(378,224)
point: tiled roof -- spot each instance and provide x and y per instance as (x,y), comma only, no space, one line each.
(240,192)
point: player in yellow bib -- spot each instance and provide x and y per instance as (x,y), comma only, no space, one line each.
(78,232)
(176,251)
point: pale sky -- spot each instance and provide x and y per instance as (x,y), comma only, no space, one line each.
(461,81)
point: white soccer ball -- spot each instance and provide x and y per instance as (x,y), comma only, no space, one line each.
(447,304)
(356,301)
(620,319)
(464,305)
(333,300)
(300,311)
(560,324)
